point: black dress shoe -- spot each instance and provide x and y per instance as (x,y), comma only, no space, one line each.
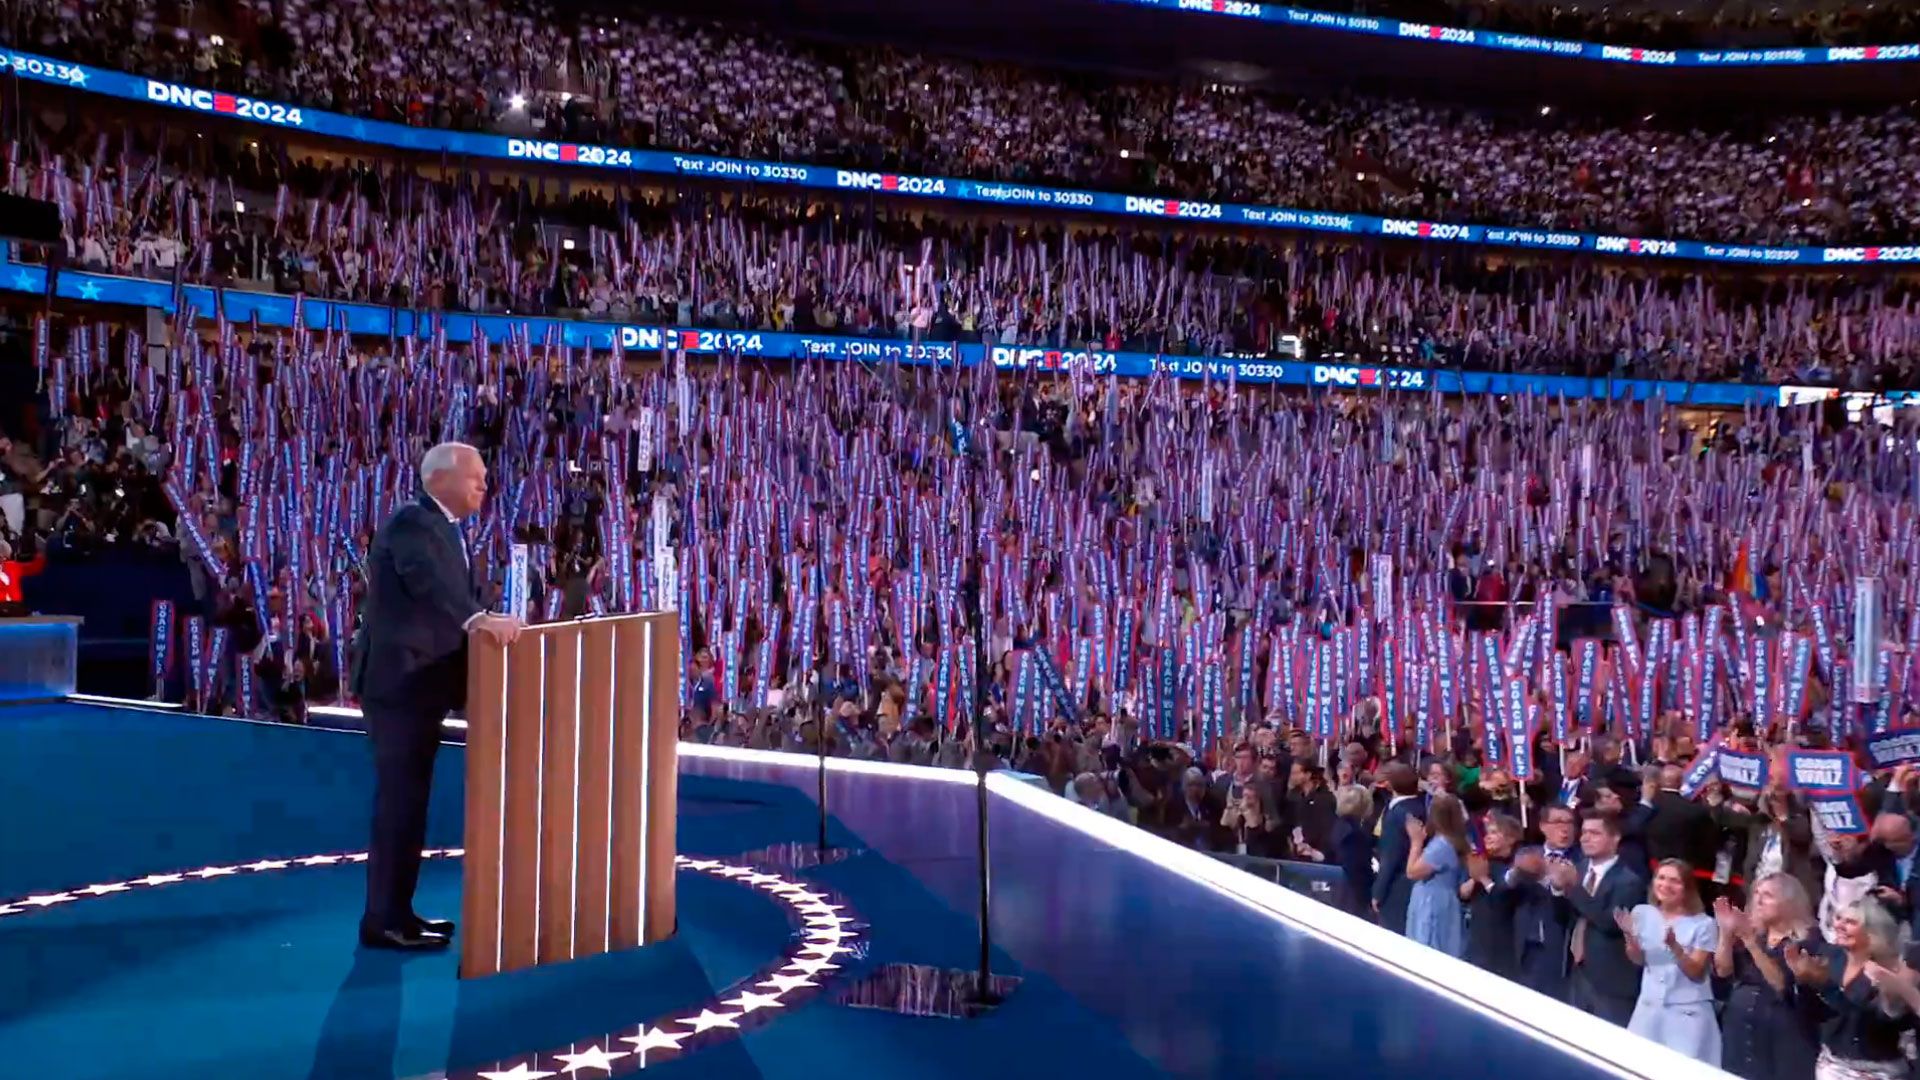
(443,927)
(404,940)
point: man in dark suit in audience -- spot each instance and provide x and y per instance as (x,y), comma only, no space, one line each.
(1392,889)
(410,670)
(1679,828)
(1605,983)
(1542,921)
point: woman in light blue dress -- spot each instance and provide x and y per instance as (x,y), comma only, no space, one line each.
(1673,940)
(1436,865)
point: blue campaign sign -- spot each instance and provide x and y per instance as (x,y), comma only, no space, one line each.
(373,320)
(1821,771)
(660,162)
(1543,46)
(1894,748)
(1745,771)
(1840,814)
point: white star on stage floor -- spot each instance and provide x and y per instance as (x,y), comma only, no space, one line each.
(652,1039)
(158,879)
(825,949)
(733,871)
(319,860)
(358,856)
(591,1058)
(748,1001)
(806,899)
(702,864)
(216,871)
(47,899)
(102,890)
(710,1019)
(811,967)
(522,1071)
(9,909)
(269,864)
(784,983)
(762,879)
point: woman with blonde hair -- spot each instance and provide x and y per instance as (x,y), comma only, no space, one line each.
(1673,940)
(1768,1032)
(1866,996)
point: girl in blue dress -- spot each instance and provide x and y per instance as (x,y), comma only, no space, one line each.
(1436,865)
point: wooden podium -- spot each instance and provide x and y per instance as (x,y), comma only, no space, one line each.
(571,742)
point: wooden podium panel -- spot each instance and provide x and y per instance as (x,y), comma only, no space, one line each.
(571,783)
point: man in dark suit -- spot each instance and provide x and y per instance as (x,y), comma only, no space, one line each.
(1605,983)
(1679,828)
(410,670)
(1392,889)
(1542,921)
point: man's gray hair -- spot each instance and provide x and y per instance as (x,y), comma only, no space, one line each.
(443,457)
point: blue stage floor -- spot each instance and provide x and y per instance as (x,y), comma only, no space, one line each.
(254,973)
(1138,958)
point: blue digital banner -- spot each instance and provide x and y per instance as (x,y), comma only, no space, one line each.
(372,320)
(277,310)
(434,140)
(1543,46)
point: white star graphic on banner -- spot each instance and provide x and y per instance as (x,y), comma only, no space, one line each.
(710,1019)
(784,983)
(748,1001)
(319,860)
(216,871)
(653,1039)
(102,890)
(811,967)
(269,864)
(521,1071)
(591,1058)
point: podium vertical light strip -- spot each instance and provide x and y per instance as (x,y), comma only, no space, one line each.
(484,873)
(663,734)
(573,875)
(644,776)
(559,795)
(526,721)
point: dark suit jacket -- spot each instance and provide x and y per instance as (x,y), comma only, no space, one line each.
(1353,851)
(1681,829)
(412,645)
(1182,827)
(1606,964)
(1391,887)
(1491,944)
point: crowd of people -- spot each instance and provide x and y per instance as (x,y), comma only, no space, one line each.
(243,216)
(1813,178)
(1255,623)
